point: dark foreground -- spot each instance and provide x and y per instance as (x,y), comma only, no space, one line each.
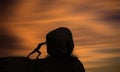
(18,64)
(49,64)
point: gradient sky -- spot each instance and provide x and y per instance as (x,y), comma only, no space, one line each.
(95,25)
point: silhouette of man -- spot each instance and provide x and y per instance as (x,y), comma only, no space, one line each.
(37,50)
(59,48)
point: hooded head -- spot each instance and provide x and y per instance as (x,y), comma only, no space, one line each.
(60,42)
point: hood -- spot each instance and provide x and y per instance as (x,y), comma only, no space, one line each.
(59,42)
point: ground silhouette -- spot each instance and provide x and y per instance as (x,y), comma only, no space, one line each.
(16,64)
(23,64)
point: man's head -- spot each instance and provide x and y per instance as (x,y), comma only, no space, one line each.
(60,42)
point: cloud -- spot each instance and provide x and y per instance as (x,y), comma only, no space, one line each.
(8,41)
(112,64)
(95,34)
(111,17)
(44,5)
(108,50)
(7,8)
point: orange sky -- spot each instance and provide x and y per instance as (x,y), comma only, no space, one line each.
(94,24)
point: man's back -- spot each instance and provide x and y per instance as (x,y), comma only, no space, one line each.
(51,64)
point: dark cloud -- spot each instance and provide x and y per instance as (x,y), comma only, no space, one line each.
(8,41)
(6,5)
(8,2)
(108,50)
(112,65)
(7,8)
(113,61)
(112,17)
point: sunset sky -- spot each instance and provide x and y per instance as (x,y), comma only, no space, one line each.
(95,25)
